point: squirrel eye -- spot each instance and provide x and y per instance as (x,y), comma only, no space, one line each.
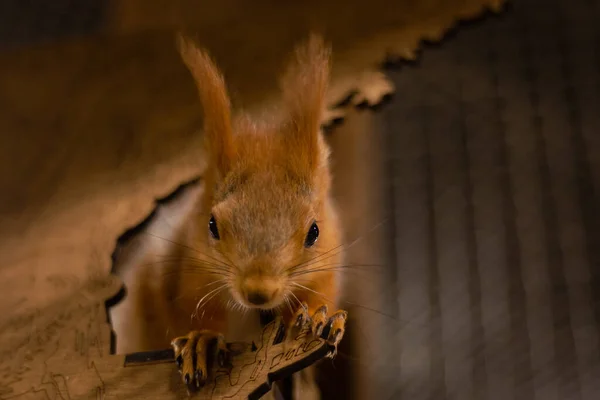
(212,227)
(312,235)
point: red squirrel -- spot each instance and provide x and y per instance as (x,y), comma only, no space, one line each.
(265,234)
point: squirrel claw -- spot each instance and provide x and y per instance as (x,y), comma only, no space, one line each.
(337,328)
(319,320)
(192,355)
(302,317)
(331,328)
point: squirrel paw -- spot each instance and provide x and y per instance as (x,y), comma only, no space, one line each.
(331,328)
(197,355)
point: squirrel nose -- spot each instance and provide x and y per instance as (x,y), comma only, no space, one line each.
(259,290)
(258,298)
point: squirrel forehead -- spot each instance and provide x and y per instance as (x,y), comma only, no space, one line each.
(263,215)
(252,181)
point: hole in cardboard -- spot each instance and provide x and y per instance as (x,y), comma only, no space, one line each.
(132,247)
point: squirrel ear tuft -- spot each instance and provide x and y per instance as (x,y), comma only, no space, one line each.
(304,88)
(215,102)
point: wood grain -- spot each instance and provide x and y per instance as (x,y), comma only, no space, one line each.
(154,375)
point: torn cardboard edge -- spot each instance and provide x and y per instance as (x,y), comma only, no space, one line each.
(77,318)
(379,91)
(372,88)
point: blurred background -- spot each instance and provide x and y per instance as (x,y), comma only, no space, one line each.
(473,193)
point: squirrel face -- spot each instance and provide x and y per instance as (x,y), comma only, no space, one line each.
(267,220)
(266,210)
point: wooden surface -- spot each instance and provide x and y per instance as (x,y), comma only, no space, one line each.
(153,374)
(95,128)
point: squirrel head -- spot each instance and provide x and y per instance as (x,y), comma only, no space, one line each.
(266,212)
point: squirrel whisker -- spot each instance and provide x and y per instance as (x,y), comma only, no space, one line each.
(193,265)
(214,292)
(231,263)
(287,301)
(193,270)
(348,302)
(183,246)
(298,300)
(195,259)
(341,247)
(335,267)
(185,293)
(316,258)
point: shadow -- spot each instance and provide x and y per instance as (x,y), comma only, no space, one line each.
(132,233)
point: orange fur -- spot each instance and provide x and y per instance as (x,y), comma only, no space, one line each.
(267,181)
